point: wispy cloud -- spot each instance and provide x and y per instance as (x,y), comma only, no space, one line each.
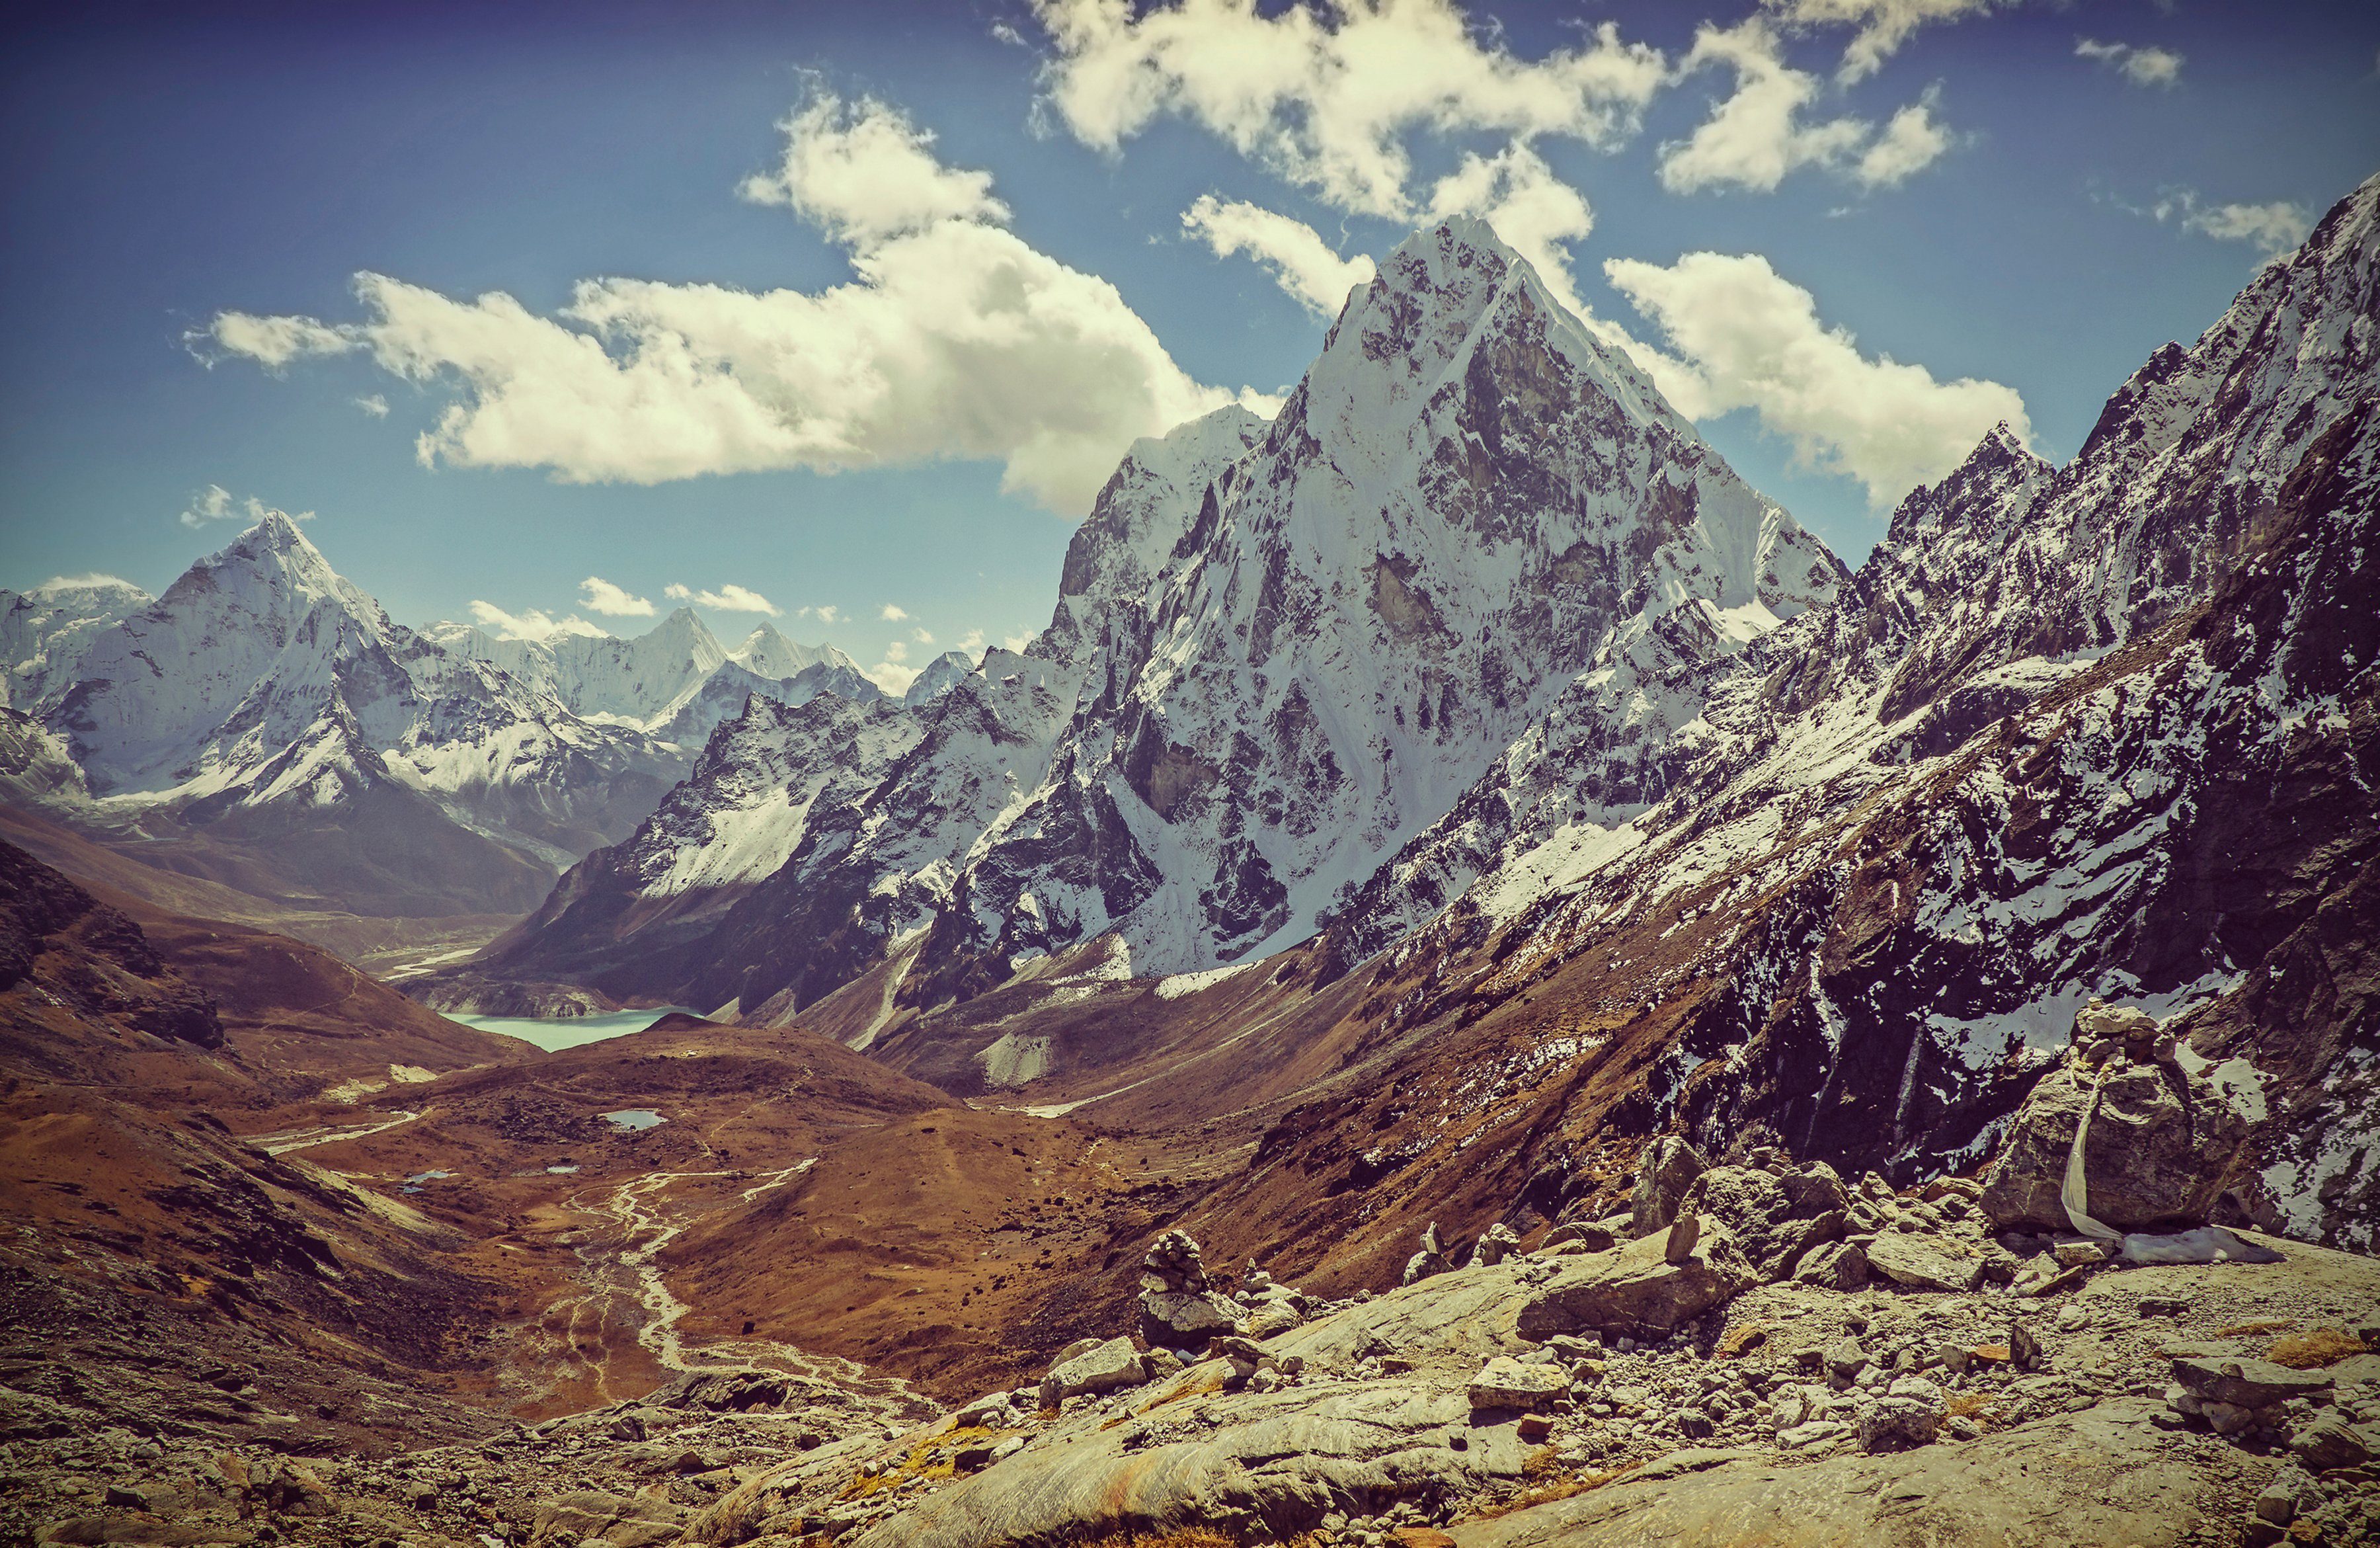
(1300,262)
(374,405)
(1327,96)
(2143,65)
(599,595)
(730,598)
(532,624)
(892,614)
(2271,228)
(1758,135)
(214,503)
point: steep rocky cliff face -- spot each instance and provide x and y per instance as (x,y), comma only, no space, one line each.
(1281,649)
(2103,730)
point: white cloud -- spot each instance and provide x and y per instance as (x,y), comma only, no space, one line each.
(1325,95)
(2272,229)
(830,614)
(1016,642)
(374,405)
(970,643)
(1302,263)
(956,340)
(2145,65)
(530,624)
(1752,339)
(1883,25)
(891,614)
(865,176)
(274,342)
(1910,143)
(1756,136)
(891,676)
(897,652)
(922,636)
(214,503)
(599,595)
(730,598)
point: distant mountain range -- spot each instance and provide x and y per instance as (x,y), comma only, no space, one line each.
(1560,778)
(267,723)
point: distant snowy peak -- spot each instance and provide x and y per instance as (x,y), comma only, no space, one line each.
(44,631)
(770,653)
(940,676)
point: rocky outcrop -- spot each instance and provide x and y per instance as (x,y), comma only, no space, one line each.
(1178,1309)
(1666,1169)
(1774,1217)
(1641,1290)
(2160,1146)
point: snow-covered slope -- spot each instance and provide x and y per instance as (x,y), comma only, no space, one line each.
(674,681)
(769,653)
(739,817)
(1281,649)
(939,677)
(44,631)
(264,693)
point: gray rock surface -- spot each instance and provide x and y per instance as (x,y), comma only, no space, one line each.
(1666,1169)
(1774,1218)
(2080,1480)
(1248,1465)
(1102,1368)
(1505,1383)
(2156,1159)
(1635,1291)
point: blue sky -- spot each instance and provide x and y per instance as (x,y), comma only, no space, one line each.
(1976,193)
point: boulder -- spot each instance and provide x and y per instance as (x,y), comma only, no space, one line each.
(2328,1441)
(1269,1316)
(1505,1383)
(1834,1265)
(1635,1291)
(1184,1318)
(1908,1413)
(2246,1384)
(1432,1258)
(1102,1368)
(1666,1169)
(2156,1158)
(624,1521)
(1925,1262)
(1500,1242)
(1774,1217)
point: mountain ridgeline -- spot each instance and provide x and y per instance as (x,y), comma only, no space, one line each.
(265,723)
(1477,675)
(1567,789)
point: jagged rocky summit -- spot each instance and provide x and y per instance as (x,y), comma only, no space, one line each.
(1279,651)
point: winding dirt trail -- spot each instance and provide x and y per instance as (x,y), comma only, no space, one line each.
(304,1139)
(631,1224)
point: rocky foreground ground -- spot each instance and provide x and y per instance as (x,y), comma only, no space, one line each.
(1913,1381)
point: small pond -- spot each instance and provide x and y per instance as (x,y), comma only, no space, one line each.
(635,1117)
